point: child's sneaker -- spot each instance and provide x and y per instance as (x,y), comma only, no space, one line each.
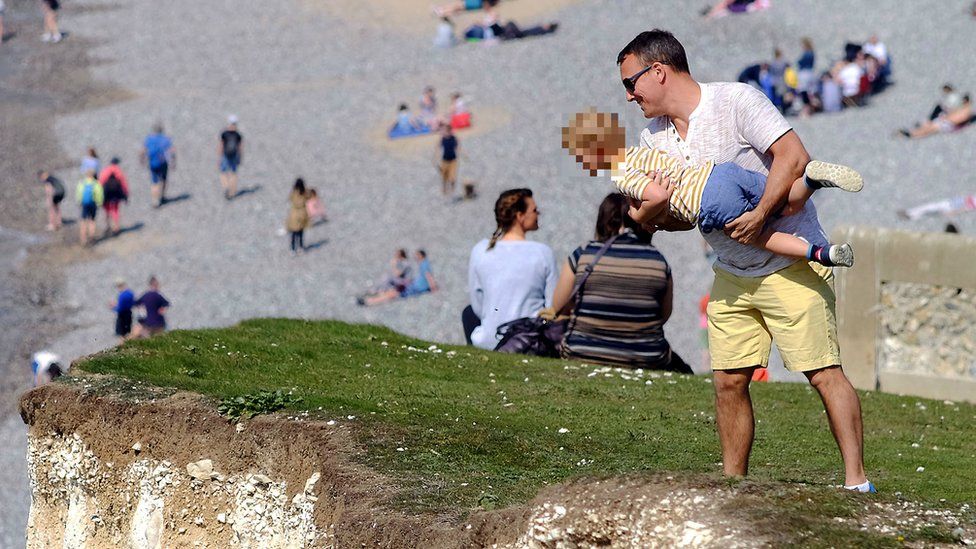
(823,174)
(841,255)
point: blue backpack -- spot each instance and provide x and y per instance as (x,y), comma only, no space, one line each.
(88,194)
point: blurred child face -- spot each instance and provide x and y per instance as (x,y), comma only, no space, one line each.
(598,151)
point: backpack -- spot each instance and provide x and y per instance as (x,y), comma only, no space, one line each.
(88,194)
(113,189)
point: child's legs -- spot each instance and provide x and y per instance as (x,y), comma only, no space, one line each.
(800,192)
(783,244)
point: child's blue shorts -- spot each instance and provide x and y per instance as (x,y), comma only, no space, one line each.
(730,191)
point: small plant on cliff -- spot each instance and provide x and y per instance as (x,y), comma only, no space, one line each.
(252,404)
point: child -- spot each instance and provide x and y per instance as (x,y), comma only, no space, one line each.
(46,367)
(90,197)
(316,211)
(709,195)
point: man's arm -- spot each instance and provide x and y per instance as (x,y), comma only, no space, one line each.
(790,158)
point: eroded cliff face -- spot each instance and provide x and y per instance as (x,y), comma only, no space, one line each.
(167,471)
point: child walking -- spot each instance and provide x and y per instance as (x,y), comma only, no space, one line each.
(710,195)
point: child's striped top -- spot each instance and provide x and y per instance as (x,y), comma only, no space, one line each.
(633,175)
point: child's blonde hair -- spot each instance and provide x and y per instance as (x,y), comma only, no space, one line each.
(594,137)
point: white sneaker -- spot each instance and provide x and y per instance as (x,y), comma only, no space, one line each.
(46,37)
(55,38)
(841,255)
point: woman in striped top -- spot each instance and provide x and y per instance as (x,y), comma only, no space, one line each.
(708,195)
(618,316)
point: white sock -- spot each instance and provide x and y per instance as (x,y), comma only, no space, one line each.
(863,487)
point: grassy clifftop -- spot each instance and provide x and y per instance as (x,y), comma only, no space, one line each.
(462,427)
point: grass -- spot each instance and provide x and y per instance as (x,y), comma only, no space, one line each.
(465,428)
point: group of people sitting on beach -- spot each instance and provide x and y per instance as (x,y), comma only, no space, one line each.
(403,279)
(489,30)
(428,119)
(862,71)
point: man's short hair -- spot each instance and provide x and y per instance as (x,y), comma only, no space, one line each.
(657,46)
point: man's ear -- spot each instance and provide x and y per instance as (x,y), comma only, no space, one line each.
(660,72)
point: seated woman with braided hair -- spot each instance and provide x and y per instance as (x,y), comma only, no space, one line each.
(509,277)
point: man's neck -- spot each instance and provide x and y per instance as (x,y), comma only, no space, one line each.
(686,94)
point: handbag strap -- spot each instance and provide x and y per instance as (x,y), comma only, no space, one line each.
(589,268)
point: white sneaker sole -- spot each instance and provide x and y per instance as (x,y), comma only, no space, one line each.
(842,255)
(835,175)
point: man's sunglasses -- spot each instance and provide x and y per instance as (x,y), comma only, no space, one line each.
(630,84)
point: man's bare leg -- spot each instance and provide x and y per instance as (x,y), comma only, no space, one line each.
(232,184)
(844,415)
(733,416)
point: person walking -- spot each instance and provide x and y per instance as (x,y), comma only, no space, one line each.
(155,306)
(116,190)
(122,306)
(449,149)
(159,155)
(91,162)
(89,196)
(509,277)
(51,31)
(757,297)
(54,194)
(297,216)
(231,150)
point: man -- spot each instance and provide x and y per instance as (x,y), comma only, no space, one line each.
(230,149)
(757,296)
(159,155)
(449,160)
(156,306)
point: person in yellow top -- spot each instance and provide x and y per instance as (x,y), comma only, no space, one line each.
(709,195)
(90,195)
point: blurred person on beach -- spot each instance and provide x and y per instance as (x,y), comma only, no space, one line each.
(806,77)
(453,8)
(950,101)
(90,196)
(948,207)
(406,123)
(116,190)
(46,367)
(449,151)
(509,277)
(423,282)
(3,8)
(316,210)
(428,108)
(729,7)
(230,150)
(53,195)
(51,32)
(90,162)
(945,122)
(398,276)
(757,296)
(122,306)
(158,153)
(444,36)
(155,306)
(618,315)
(297,220)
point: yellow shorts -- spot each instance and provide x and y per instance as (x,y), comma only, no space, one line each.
(793,307)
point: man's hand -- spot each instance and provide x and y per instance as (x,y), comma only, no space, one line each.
(747,227)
